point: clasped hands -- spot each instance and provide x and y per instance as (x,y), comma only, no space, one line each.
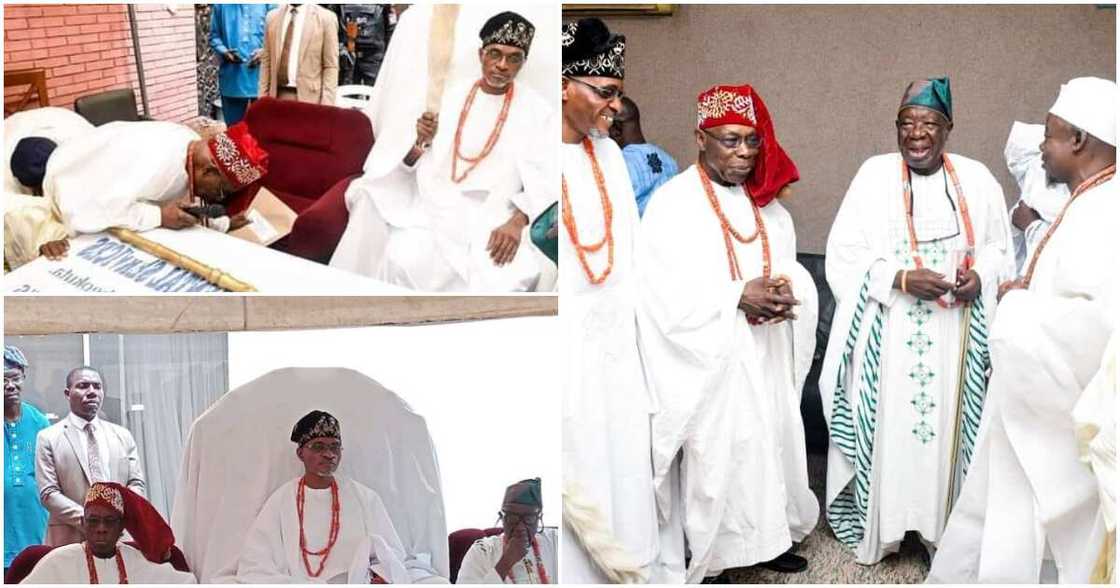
(768,300)
(926,284)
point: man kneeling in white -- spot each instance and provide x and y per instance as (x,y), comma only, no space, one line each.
(111,509)
(1030,510)
(457,206)
(521,554)
(321,529)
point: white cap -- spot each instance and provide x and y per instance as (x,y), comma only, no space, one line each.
(1089,104)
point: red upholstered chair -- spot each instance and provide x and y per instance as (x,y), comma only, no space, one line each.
(314,153)
(25,561)
(460,541)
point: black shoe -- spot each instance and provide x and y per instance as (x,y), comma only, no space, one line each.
(787,563)
(720,579)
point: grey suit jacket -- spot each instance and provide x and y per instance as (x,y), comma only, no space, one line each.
(62,473)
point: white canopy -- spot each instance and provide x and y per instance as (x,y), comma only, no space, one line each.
(238,452)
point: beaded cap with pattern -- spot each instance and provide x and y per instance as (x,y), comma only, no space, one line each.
(316,424)
(590,49)
(508,28)
(238,156)
(151,534)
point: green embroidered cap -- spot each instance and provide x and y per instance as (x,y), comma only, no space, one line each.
(933,94)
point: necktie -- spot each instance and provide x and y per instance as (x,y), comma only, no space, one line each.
(286,53)
(94,456)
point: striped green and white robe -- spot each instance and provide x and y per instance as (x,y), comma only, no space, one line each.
(889,380)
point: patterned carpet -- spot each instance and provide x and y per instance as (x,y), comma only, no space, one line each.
(832,563)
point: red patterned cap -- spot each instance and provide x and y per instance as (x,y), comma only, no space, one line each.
(152,535)
(238,156)
(741,105)
(726,105)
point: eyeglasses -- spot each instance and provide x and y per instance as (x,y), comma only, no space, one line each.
(532,519)
(514,58)
(16,379)
(908,126)
(325,447)
(732,142)
(609,93)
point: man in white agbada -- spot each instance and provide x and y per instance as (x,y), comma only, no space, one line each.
(143,175)
(451,211)
(1040,200)
(610,521)
(59,125)
(109,510)
(725,356)
(915,254)
(320,528)
(523,553)
(1030,509)
(30,229)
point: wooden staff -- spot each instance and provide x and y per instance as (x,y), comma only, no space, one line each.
(966,322)
(211,274)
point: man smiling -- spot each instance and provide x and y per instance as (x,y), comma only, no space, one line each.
(913,259)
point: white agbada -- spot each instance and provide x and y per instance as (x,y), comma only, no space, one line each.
(437,230)
(398,100)
(606,410)
(57,124)
(366,539)
(478,563)
(729,393)
(894,461)
(118,174)
(1094,418)
(29,223)
(1024,161)
(388,449)
(67,565)
(1030,508)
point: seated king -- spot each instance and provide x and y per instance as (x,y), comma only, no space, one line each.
(321,528)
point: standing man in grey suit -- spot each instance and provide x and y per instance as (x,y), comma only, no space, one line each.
(79,450)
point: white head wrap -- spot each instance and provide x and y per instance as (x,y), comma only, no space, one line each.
(1089,104)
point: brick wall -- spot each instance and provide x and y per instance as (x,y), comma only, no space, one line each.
(87,48)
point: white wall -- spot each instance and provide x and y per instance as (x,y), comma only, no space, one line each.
(489,390)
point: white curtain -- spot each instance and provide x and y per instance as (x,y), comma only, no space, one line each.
(167,381)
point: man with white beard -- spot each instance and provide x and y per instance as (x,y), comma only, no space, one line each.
(610,520)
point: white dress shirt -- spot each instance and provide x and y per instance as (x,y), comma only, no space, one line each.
(297,34)
(99,434)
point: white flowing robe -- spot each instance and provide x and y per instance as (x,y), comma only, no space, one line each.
(606,409)
(57,124)
(118,175)
(366,539)
(1029,497)
(1024,161)
(920,342)
(29,223)
(437,230)
(729,393)
(67,565)
(478,563)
